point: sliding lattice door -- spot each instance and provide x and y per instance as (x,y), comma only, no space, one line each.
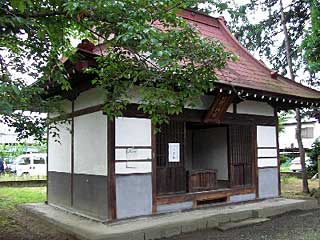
(242,152)
(171,176)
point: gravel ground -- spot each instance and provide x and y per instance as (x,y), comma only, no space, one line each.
(292,226)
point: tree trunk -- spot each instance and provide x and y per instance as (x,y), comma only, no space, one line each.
(305,187)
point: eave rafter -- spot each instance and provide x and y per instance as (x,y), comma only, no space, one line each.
(280,101)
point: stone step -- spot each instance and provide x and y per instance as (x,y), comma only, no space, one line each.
(247,222)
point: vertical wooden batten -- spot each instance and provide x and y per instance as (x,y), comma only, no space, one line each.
(278,150)
(47,167)
(72,154)
(112,204)
(154,169)
(255,167)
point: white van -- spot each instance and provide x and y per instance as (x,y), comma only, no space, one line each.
(33,164)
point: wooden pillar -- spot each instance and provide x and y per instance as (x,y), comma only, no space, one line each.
(47,192)
(112,205)
(154,169)
(72,153)
(278,150)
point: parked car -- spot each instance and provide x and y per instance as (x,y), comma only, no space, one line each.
(295,165)
(33,164)
(11,167)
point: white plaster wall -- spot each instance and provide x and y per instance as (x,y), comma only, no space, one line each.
(266,136)
(267,162)
(210,150)
(287,138)
(202,103)
(133,132)
(133,167)
(267,153)
(255,108)
(133,154)
(59,150)
(89,98)
(90,144)
(230,108)
(65,105)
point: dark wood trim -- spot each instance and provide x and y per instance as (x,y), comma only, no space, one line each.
(72,153)
(267,147)
(194,115)
(267,157)
(135,147)
(134,160)
(265,167)
(303,123)
(133,174)
(112,204)
(85,111)
(255,173)
(47,167)
(278,150)
(247,119)
(229,154)
(256,95)
(154,169)
(177,198)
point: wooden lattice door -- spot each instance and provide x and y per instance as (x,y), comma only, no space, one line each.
(171,176)
(242,149)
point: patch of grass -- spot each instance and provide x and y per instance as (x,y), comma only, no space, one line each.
(284,169)
(11,196)
(311,235)
(291,187)
(12,177)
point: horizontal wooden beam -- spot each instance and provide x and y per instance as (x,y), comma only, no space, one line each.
(177,198)
(189,115)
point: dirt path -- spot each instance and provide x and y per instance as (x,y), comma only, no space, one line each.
(292,226)
(16,225)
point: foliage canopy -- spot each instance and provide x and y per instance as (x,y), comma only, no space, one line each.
(169,66)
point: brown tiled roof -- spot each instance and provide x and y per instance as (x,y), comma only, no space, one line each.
(247,72)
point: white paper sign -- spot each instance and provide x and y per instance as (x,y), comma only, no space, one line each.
(174,152)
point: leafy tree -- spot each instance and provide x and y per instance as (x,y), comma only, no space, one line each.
(265,36)
(170,67)
(312,42)
(314,155)
(281,31)
(282,119)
